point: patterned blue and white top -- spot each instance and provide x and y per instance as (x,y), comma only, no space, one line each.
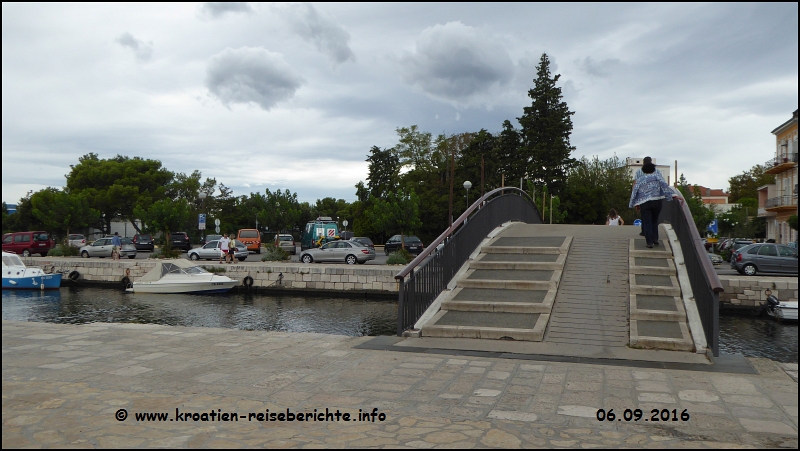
(650,187)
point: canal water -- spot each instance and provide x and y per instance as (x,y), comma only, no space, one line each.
(745,334)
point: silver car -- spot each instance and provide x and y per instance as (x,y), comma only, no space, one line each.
(211,251)
(102,248)
(756,258)
(350,252)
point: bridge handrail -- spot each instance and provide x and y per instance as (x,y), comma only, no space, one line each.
(449,231)
(708,268)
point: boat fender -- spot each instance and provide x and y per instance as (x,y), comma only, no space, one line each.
(248,281)
(126,282)
(74,275)
(128,272)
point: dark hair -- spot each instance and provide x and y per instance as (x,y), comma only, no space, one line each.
(647,160)
(649,168)
(612,214)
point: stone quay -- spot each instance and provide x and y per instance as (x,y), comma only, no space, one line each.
(140,385)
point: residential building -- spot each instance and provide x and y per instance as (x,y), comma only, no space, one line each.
(716,199)
(779,201)
(634,164)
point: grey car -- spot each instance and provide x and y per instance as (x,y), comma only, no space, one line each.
(774,258)
(350,252)
(286,242)
(211,251)
(102,248)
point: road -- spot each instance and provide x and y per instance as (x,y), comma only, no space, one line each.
(380,257)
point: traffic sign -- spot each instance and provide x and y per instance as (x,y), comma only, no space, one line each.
(216,222)
(344,223)
(216,229)
(201,221)
(713,227)
(637,222)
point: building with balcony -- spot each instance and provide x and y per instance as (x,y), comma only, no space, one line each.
(779,201)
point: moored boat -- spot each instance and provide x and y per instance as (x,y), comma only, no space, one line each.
(181,276)
(781,310)
(17,276)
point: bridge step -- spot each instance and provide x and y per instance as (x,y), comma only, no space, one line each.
(506,293)
(657,314)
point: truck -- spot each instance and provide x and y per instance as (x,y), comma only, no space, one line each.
(324,227)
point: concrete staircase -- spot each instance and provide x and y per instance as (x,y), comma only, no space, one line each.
(507,292)
(657,314)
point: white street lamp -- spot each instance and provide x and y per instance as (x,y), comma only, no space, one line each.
(467,186)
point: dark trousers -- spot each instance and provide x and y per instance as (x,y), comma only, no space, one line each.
(650,211)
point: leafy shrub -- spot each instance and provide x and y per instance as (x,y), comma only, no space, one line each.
(726,255)
(63,251)
(399,257)
(214,269)
(160,252)
(274,254)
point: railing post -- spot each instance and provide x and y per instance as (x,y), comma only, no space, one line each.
(401,313)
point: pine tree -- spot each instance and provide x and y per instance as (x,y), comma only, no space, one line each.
(546,128)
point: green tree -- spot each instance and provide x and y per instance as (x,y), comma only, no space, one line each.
(286,211)
(414,148)
(396,212)
(61,212)
(745,185)
(383,171)
(165,215)
(792,221)
(594,187)
(117,185)
(701,214)
(546,129)
(23,219)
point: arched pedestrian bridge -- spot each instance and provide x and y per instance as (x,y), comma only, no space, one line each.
(573,290)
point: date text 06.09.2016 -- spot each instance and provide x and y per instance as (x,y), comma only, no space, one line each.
(661,415)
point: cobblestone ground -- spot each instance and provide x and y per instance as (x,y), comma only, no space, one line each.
(66,385)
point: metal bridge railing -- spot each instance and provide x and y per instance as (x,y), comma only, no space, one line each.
(428,275)
(706,285)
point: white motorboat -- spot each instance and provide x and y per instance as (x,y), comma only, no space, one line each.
(181,276)
(781,310)
(17,276)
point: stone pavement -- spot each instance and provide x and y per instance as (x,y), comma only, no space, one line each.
(67,385)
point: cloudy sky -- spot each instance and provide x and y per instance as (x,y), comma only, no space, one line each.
(293,95)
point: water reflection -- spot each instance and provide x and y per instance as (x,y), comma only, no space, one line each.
(340,316)
(758,337)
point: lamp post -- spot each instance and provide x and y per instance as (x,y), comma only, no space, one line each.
(467,186)
(202,197)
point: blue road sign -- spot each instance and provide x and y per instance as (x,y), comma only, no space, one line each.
(637,222)
(201,221)
(713,227)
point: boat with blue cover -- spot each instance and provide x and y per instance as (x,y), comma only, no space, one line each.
(17,276)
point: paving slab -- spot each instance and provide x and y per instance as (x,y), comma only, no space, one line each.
(426,397)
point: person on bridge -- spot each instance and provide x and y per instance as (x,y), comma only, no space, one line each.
(646,196)
(614,219)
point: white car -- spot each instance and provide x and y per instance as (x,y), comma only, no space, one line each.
(102,248)
(211,251)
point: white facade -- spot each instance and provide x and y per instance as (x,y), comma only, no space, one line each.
(634,164)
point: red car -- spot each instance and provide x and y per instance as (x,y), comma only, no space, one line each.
(28,243)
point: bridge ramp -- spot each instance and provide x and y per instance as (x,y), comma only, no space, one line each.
(592,287)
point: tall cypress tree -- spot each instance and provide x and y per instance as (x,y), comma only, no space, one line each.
(546,127)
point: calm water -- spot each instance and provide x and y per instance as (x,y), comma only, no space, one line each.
(341,316)
(753,337)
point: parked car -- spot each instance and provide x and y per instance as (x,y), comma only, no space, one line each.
(350,252)
(180,240)
(251,238)
(365,241)
(413,244)
(286,242)
(715,259)
(777,258)
(102,248)
(143,242)
(211,251)
(76,240)
(28,243)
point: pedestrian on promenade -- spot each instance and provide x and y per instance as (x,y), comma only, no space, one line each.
(646,196)
(116,242)
(223,247)
(232,250)
(614,219)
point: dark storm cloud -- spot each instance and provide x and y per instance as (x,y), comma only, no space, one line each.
(320,28)
(456,62)
(250,74)
(597,68)
(217,9)
(142,50)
